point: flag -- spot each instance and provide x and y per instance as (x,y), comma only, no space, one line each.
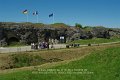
(25,11)
(51,15)
(35,13)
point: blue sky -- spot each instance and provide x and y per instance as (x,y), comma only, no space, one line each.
(86,12)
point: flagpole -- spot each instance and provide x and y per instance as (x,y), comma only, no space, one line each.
(37,18)
(27,17)
(53,18)
(26,13)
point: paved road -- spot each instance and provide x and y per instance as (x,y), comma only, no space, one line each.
(28,48)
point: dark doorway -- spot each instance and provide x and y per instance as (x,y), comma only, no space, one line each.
(12,40)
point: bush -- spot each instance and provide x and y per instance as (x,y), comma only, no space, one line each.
(89,44)
(20,60)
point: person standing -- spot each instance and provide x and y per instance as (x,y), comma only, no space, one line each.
(52,45)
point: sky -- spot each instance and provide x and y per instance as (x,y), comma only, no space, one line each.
(86,12)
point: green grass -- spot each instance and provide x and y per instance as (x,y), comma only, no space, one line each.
(16,44)
(105,65)
(21,60)
(96,41)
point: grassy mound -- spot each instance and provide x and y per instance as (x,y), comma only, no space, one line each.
(96,41)
(104,65)
(59,25)
(21,60)
(24,60)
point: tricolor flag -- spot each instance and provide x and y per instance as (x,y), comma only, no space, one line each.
(35,13)
(51,15)
(25,11)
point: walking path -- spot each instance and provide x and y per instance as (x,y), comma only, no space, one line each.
(26,48)
(55,46)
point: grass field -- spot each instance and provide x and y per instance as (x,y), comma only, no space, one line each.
(103,63)
(33,58)
(96,41)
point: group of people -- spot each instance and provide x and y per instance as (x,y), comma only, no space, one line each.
(41,45)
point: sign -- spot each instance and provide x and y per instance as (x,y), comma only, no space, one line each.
(61,37)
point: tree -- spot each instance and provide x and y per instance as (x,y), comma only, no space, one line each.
(78,25)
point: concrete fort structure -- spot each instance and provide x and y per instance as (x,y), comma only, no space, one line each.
(37,32)
(28,34)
